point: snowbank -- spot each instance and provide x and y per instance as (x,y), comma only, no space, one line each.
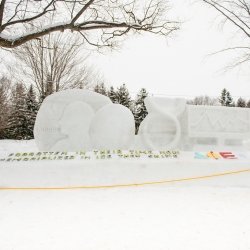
(177,216)
(115,171)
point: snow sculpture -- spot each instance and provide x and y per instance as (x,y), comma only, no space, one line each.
(73,120)
(75,124)
(113,127)
(246,143)
(226,125)
(172,124)
(161,128)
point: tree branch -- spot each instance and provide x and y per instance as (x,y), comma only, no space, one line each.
(85,26)
(46,9)
(96,15)
(1,11)
(84,8)
(215,5)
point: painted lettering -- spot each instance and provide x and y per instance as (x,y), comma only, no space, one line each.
(228,155)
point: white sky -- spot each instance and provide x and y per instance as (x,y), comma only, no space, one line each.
(179,65)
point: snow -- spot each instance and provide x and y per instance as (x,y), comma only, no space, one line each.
(55,111)
(113,127)
(72,120)
(175,216)
(75,123)
(134,218)
(7,146)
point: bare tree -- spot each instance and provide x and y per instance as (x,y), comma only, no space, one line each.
(236,12)
(110,19)
(5,87)
(204,100)
(52,63)
(241,103)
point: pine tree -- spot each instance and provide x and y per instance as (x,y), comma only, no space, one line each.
(140,111)
(31,111)
(241,103)
(112,94)
(229,99)
(101,89)
(123,96)
(17,122)
(226,98)
(233,104)
(222,99)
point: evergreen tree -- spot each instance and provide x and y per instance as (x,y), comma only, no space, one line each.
(17,122)
(32,108)
(123,96)
(241,103)
(112,95)
(140,111)
(222,99)
(101,89)
(225,98)
(229,99)
(233,104)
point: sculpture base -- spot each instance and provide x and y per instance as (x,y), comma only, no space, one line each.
(120,170)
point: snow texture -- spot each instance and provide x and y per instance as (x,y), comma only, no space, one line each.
(162,124)
(174,106)
(170,123)
(75,123)
(246,143)
(182,126)
(113,127)
(161,217)
(74,120)
(120,170)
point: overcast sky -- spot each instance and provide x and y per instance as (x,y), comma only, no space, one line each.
(179,65)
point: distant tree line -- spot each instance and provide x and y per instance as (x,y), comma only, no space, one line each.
(18,108)
(225,99)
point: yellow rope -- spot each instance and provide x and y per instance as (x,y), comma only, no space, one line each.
(131,184)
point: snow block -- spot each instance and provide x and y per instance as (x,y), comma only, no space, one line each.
(161,128)
(61,113)
(74,120)
(75,124)
(113,127)
(173,124)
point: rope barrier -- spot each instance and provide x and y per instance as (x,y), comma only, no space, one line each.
(130,184)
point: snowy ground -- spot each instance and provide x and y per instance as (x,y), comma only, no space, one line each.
(169,216)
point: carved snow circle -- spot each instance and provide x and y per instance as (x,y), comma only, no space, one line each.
(113,127)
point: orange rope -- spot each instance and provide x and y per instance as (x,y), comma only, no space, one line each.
(130,184)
